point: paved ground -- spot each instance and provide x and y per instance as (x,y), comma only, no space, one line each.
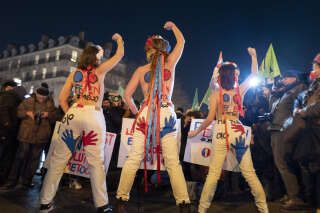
(155,201)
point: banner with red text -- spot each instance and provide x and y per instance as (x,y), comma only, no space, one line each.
(199,149)
(77,165)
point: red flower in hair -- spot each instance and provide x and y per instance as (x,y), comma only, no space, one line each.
(148,42)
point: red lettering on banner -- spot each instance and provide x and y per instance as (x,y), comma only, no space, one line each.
(78,157)
(129,133)
(110,136)
(206,133)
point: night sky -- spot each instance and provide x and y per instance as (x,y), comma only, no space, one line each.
(231,26)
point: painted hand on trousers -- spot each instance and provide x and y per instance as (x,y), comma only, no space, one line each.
(169,126)
(240,147)
(89,139)
(141,125)
(238,128)
(69,140)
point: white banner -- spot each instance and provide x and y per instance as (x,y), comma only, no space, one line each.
(78,164)
(126,142)
(199,149)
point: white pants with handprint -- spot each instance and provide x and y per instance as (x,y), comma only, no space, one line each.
(170,154)
(79,122)
(237,144)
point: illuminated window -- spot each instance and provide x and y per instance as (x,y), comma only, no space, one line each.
(36,59)
(31,89)
(47,56)
(34,73)
(18,63)
(23,76)
(44,72)
(74,56)
(58,55)
(54,71)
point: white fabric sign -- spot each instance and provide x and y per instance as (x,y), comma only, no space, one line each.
(199,149)
(126,142)
(77,164)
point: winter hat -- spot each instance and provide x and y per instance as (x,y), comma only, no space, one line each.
(43,89)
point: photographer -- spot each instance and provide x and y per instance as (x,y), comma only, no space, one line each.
(34,132)
(282,103)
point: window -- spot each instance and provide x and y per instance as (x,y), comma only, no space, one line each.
(44,72)
(36,59)
(47,56)
(9,65)
(23,76)
(31,90)
(72,69)
(54,71)
(34,73)
(18,81)
(74,56)
(58,55)
(18,63)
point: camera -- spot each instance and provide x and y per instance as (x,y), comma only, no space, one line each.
(265,117)
(37,117)
(114,98)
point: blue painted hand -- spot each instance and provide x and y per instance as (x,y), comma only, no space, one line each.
(69,140)
(240,148)
(169,126)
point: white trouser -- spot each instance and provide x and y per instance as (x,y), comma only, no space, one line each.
(170,155)
(246,166)
(81,121)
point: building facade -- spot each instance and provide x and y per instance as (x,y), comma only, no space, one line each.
(51,61)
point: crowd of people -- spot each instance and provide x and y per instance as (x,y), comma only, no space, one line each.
(284,117)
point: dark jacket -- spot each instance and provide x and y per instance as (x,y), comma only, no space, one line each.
(282,107)
(9,102)
(30,130)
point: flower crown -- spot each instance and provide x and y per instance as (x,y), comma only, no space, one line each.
(149,42)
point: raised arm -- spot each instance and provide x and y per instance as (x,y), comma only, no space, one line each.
(176,53)
(210,118)
(254,70)
(114,60)
(65,93)
(130,89)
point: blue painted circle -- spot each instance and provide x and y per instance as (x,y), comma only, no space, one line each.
(78,76)
(147,77)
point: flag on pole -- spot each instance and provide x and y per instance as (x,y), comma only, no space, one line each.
(206,98)
(120,91)
(195,104)
(269,67)
(215,74)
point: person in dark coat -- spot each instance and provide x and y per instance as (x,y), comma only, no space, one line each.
(9,101)
(34,132)
(306,127)
(282,108)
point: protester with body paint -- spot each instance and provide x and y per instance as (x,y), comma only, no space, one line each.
(225,107)
(83,123)
(155,125)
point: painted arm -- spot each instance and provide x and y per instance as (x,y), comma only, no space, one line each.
(114,60)
(254,70)
(176,53)
(209,119)
(65,93)
(130,89)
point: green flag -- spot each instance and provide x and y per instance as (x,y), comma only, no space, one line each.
(206,98)
(195,104)
(120,91)
(269,67)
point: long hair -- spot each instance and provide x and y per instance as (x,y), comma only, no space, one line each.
(88,58)
(154,49)
(227,73)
